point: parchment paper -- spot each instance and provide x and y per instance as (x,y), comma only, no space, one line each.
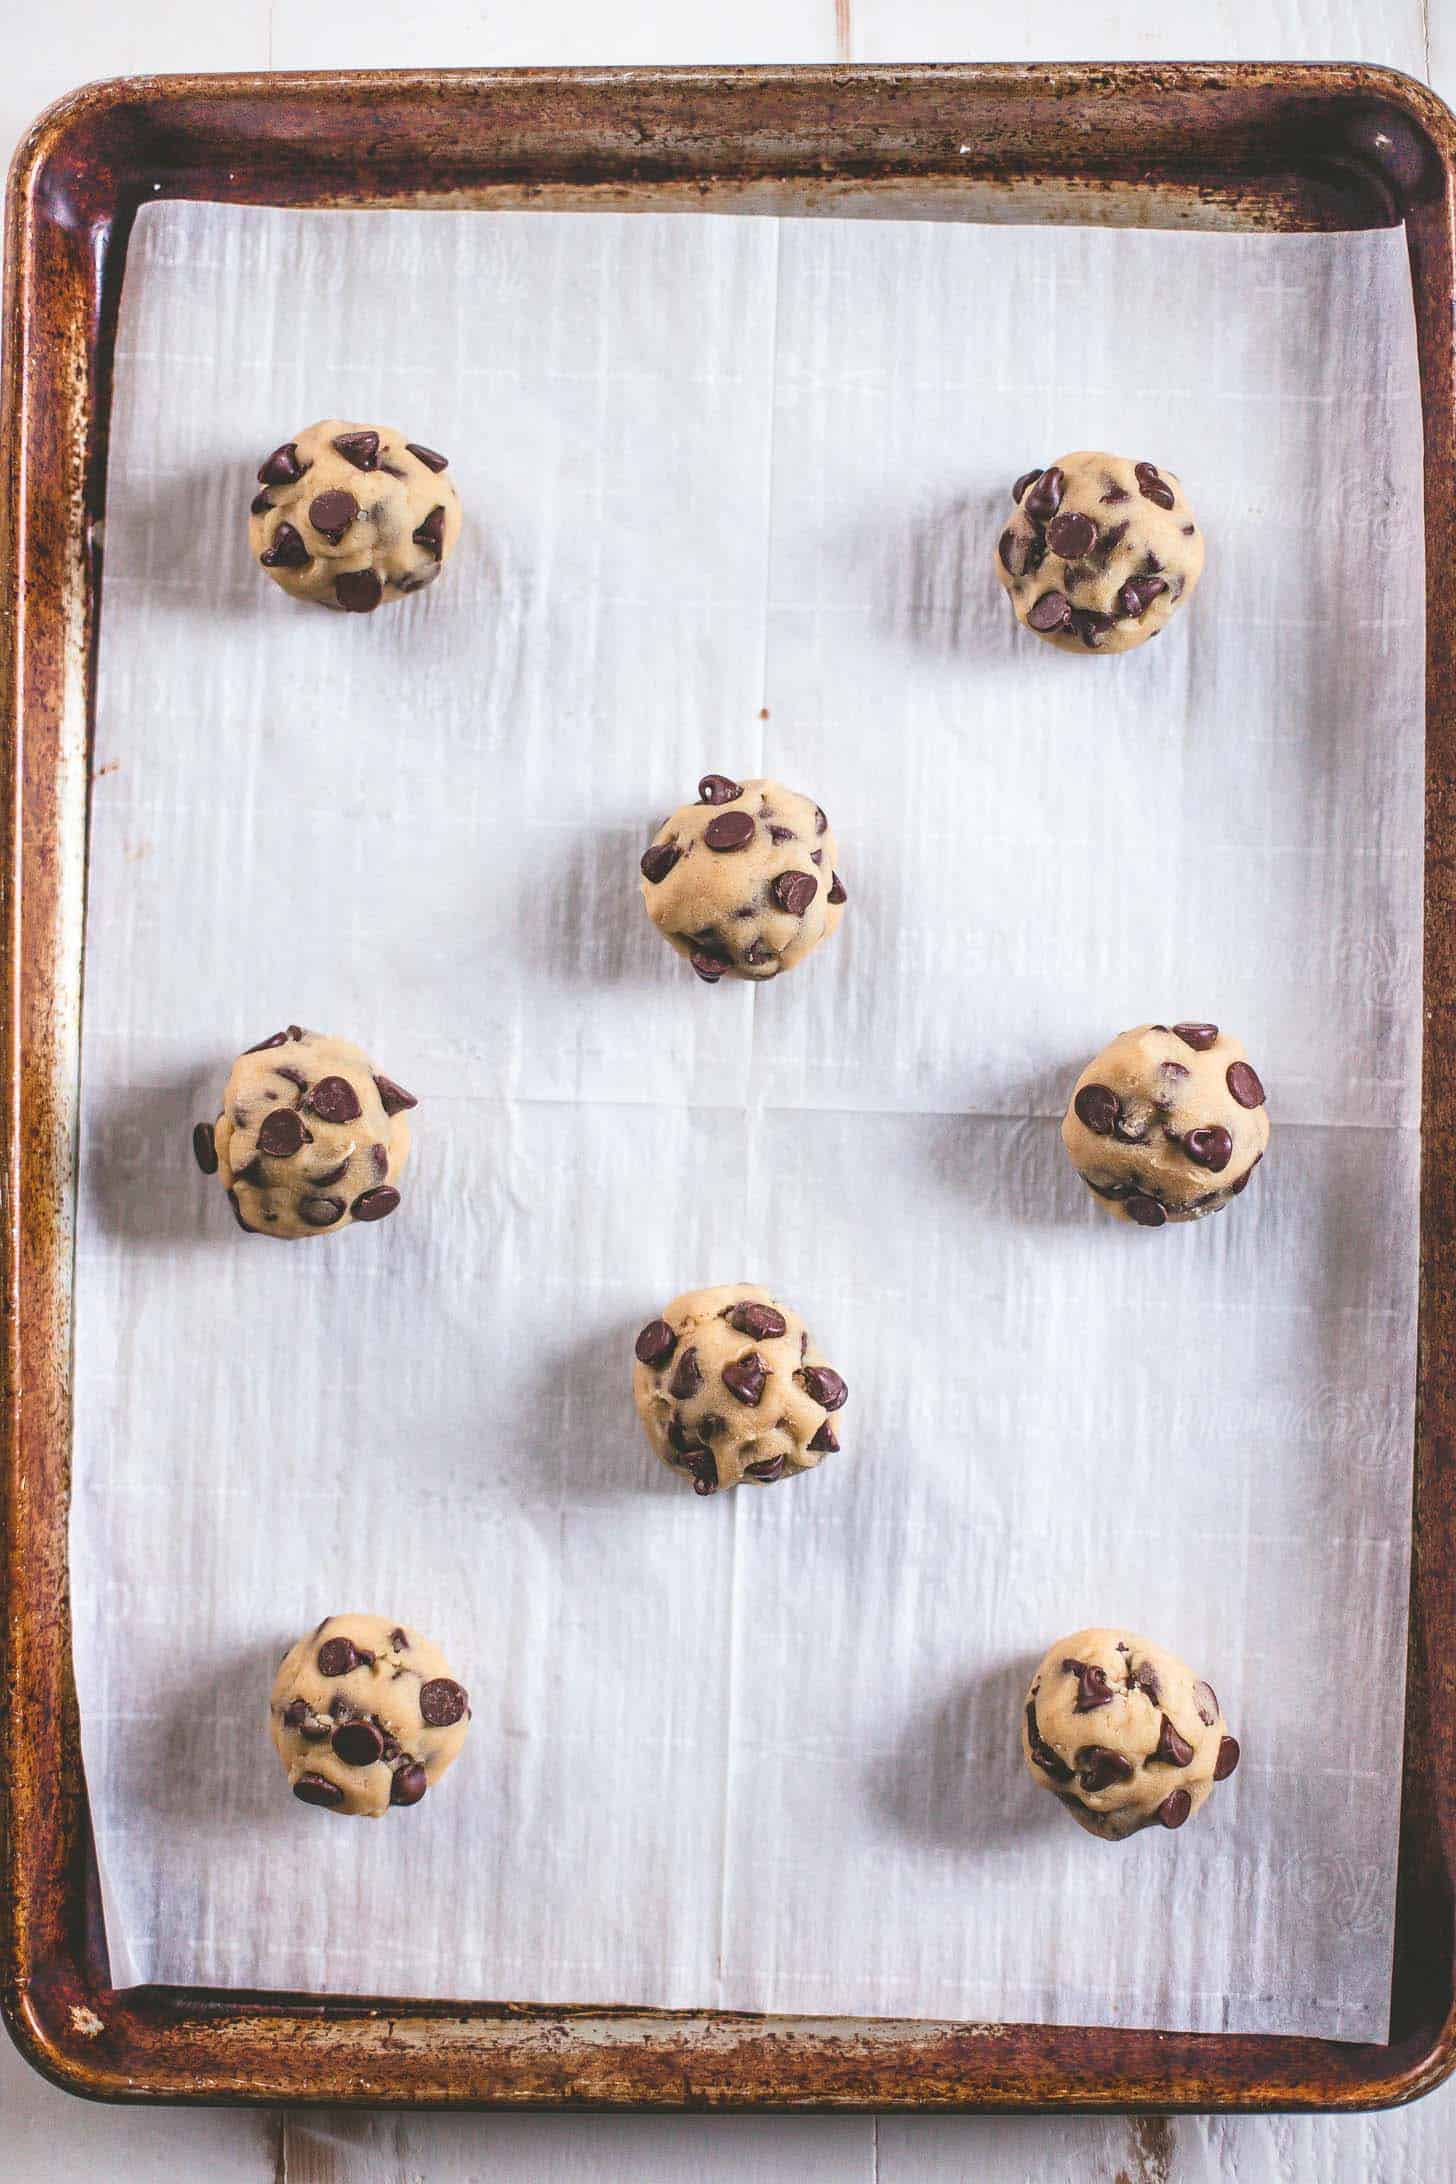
(732,491)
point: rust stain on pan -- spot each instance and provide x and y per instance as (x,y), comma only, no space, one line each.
(1260,147)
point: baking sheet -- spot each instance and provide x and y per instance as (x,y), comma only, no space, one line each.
(732,488)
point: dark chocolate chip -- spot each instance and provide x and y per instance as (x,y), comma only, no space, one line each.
(295,1713)
(794,891)
(1028,477)
(358,591)
(1177,1805)
(781,834)
(837,891)
(1093,1689)
(1097,1107)
(431,534)
(1199,1036)
(393,1097)
(316,1789)
(1071,535)
(1228,1759)
(823,1383)
(333,1099)
(760,1321)
(282,466)
(379,1154)
(1114,493)
(1144,1678)
(1042,500)
(1151,486)
(1210,1148)
(688,1378)
(708,968)
(824,1441)
(705,1473)
(321,1212)
(294,1076)
(655,1345)
(730,830)
(1089,625)
(203,1148)
(337,1656)
(1051,1762)
(1138,594)
(1144,1210)
(358,1743)
(427,456)
(1242,1183)
(259,505)
(1244,1084)
(442,1701)
(331,513)
(821,824)
(746,1378)
(658,861)
(770,1469)
(716,788)
(1052,611)
(281,1134)
(409,1785)
(1171,1749)
(374,1204)
(254,1173)
(1171,1069)
(279,1038)
(1006,549)
(399,1638)
(359,448)
(287,551)
(392,470)
(1205,1698)
(1098,1768)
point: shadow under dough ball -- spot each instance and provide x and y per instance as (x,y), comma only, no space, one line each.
(1123,1734)
(351,515)
(743,882)
(1167,1123)
(310,1137)
(730,1388)
(366,1715)
(1100,553)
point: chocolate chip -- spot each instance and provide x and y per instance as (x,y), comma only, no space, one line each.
(358,591)
(708,968)
(1089,625)
(1052,611)
(442,1701)
(1093,1689)
(794,891)
(1177,1805)
(1144,1678)
(259,505)
(1114,493)
(279,1038)
(320,1212)
(331,513)
(1210,1148)
(705,1473)
(427,456)
(1028,477)
(1098,1768)
(1171,1069)
(296,1031)
(1071,535)
(337,1656)
(656,1343)
(316,1789)
(821,824)
(295,1713)
(766,1472)
(658,861)
(358,1743)
(837,891)
(1244,1084)
(823,1383)
(1228,1759)
(254,1173)
(287,550)
(761,1321)
(1097,1107)
(393,470)
(431,534)
(294,1076)
(1042,500)
(393,1097)
(373,1205)
(204,1150)
(1205,1698)
(688,1378)
(1041,1751)
(281,1134)
(1171,1749)
(1138,594)
(824,1441)
(677,1438)
(1006,548)
(1151,486)
(409,1785)
(746,1378)
(1242,1182)
(1199,1036)
(730,830)
(1144,1210)
(379,1154)
(716,788)
(359,448)
(333,1099)
(282,466)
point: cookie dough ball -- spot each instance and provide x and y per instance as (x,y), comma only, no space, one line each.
(350,515)
(743,881)
(1167,1124)
(729,1387)
(1100,552)
(310,1136)
(365,1715)
(1123,1733)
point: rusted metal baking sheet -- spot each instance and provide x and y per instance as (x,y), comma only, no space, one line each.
(1272,148)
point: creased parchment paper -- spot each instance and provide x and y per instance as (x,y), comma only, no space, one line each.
(732,489)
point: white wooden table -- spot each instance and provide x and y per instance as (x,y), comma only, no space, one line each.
(48,2138)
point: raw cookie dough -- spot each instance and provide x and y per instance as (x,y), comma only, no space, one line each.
(730,1387)
(743,881)
(365,1715)
(310,1137)
(348,515)
(1100,552)
(1123,1733)
(1167,1123)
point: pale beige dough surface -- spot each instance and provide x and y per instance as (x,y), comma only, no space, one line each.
(1124,1733)
(1100,552)
(351,515)
(743,882)
(730,1388)
(1167,1123)
(365,1714)
(310,1137)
